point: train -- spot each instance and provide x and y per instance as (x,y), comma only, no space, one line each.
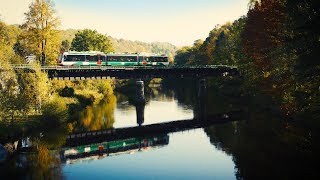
(96,58)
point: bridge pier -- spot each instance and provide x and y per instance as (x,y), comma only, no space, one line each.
(140,91)
(140,102)
(201,111)
(140,113)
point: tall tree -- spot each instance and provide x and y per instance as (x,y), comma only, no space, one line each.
(9,89)
(91,40)
(40,35)
(270,63)
(304,21)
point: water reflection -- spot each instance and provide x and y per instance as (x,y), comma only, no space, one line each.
(188,155)
(87,152)
(36,157)
(98,117)
(159,106)
(261,145)
(265,146)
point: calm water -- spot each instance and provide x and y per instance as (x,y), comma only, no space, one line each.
(260,144)
(188,154)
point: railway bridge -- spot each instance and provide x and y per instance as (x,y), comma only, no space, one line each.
(126,72)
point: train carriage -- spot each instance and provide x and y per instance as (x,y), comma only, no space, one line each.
(84,58)
(95,58)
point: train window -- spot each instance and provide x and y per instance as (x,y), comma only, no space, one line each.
(102,58)
(93,58)
(131,58)
(141,58)
(74,58)
(152,59)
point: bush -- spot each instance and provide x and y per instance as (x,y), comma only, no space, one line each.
(67,92)
(55,112)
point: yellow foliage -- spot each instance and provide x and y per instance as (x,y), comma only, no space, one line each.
(101,116)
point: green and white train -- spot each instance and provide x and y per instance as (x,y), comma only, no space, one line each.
(95,58)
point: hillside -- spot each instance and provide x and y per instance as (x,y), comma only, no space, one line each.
(122,45)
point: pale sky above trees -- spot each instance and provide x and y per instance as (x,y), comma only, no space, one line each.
(176,21)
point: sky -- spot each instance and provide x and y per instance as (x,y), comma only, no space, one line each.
(179,22)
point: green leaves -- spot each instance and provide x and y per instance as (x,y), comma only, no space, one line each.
(91,40)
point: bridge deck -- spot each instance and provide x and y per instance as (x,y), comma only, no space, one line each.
(132,71)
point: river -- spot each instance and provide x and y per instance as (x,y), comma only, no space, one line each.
(258,144)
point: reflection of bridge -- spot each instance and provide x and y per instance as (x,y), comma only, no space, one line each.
(83,138)
(84,146)
(73,72)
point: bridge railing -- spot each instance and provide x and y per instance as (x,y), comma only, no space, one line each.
(55,67)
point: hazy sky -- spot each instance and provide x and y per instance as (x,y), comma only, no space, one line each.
(176,21)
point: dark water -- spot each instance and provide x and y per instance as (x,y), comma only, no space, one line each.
(259,144)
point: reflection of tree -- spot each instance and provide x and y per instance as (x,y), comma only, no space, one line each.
(184,89)
(46,164)
(214,98)
(40,164)
(264,145)
(161,94)
(100,116)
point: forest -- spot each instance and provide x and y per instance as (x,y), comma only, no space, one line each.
(275,47)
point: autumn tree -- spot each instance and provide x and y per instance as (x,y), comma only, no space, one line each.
(269,60)
(9,89)
(91,40)
(39,32)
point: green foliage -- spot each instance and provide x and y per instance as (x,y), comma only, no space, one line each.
(9,89)
(91,40)
(34,89)
(67,92)
(183,55)
(304,23)
(55,112)
(65,46)
(122,45)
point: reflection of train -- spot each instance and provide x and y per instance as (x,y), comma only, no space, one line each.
(95,58)
(98,150)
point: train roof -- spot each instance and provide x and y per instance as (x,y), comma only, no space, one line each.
(112,54)
(83,52)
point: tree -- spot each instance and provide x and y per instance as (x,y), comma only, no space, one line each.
(65,45)
(91,40)
(9,89)
(304,22)
(183,55)
(40,35)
